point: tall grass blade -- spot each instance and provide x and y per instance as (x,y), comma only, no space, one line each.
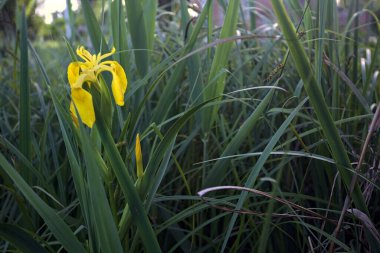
(25,131)
(219,62)
(150,11)
(93,28)
(119,33)
(194,62)
(322,10)
(355,64)
(20,239)
(139,35)
(71,21)
(333,51)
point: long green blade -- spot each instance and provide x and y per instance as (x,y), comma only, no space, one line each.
(119,33)
(25,131)
(137,27)
(20,239)
(93,27)
(150,9)
(219,62)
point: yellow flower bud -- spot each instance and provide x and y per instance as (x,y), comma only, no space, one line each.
(139,162)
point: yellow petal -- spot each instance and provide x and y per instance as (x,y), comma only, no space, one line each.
(138,154)
(73,72)
(119,83)
(83,102)
(101,57)
(84,54)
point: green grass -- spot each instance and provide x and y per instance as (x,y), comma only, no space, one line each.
(282,110)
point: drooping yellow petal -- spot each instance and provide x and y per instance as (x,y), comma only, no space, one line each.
(139,163)
(82,100)
(73,72)
(119,83)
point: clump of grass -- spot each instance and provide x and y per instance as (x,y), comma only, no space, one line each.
(282,111)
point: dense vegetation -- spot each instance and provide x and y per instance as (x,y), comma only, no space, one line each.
(273,108)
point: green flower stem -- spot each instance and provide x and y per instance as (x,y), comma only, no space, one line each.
(137,211)
(124,222)
(125,219)
(305,71)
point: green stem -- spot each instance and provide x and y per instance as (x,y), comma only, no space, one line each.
(137,211)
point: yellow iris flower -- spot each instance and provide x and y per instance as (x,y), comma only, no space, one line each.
(87,72)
